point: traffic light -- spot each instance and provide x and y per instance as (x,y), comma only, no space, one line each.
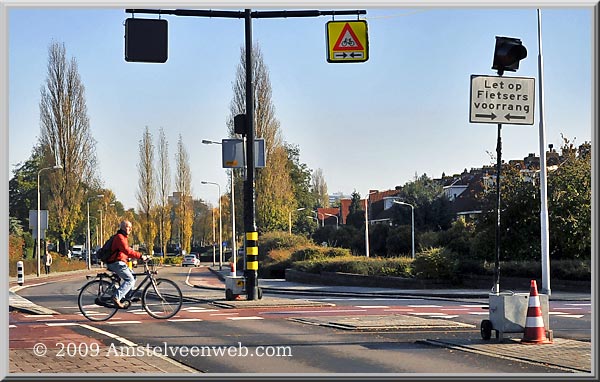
(146,40)
(509,51)
(239,124)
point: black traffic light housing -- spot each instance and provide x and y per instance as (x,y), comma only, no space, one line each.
(239,124)
(146,40)
(509,51)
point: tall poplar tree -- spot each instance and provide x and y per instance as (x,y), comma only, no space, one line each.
(274,192)
(146,193)
(66,140)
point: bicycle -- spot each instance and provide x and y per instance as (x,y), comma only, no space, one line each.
(161,298)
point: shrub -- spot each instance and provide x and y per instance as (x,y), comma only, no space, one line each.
(316,253)
(279,240)
(399,266)
(436,263)
(173,260)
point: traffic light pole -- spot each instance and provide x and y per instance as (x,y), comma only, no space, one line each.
(251,242)
(251,247)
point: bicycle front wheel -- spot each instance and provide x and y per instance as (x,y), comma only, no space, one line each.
(95,300)
(162,298)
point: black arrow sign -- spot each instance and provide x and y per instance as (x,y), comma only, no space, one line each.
(492,116)
(508,116)
(345,55)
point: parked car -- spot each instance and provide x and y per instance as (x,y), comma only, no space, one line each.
(192,260)
(77,251)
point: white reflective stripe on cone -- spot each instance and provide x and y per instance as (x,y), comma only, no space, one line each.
(534,301)
(534,322)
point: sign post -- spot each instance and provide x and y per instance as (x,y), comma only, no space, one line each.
(498,100)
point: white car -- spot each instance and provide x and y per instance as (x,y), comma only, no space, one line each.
(77,251)
(192,260)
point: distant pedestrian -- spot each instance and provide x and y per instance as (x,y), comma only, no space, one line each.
(47,261)
(69,254)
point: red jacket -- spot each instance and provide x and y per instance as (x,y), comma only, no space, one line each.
(121,249)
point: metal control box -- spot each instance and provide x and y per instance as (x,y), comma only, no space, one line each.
(508,312)
(234,286)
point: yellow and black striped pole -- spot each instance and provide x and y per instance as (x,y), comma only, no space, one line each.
(251,246)
(252,265)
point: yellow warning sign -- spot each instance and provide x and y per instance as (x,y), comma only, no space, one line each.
(347,41)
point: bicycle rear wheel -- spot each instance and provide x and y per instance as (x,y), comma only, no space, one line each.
(95,300)
(162,298)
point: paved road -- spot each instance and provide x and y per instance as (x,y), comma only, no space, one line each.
(319,312)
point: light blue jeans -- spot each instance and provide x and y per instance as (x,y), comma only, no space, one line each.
(128,280)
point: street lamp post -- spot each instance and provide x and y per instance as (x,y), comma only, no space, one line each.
(101,228)
(367,223)
(290,219)
(233,237)
(412,213)
(336,220)
(39,230)
(220,225)
(89,245)
(322,219)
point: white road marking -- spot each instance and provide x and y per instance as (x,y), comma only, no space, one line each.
(52,319)
(475,306)
(12,326)
(443,316)
(222,314)
(38,315)
(572,315)
(424,306)
(398,310)
(461,309)
(123,322)
(571,308)
(108,334)
(203,311)
(587,304)
(245,318)
(61,323)
(184,319)
(479,313)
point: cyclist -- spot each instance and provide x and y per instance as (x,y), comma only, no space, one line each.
(117,262)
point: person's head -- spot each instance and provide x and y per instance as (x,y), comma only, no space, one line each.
(126,226)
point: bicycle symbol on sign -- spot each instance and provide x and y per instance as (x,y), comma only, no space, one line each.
(348,42)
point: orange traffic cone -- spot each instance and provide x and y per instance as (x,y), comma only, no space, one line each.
(535,332)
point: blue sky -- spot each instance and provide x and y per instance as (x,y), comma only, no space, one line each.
(368,125)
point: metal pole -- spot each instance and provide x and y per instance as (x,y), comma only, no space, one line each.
(101,228)
(498,171)
(249,195)
(38,223)
(412,213)
(89,246)
(220,232)
(367,226)
(233,239)
(213,224)
(544,226)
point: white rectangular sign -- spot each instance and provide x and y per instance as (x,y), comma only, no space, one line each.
(502,100)
(233,153)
